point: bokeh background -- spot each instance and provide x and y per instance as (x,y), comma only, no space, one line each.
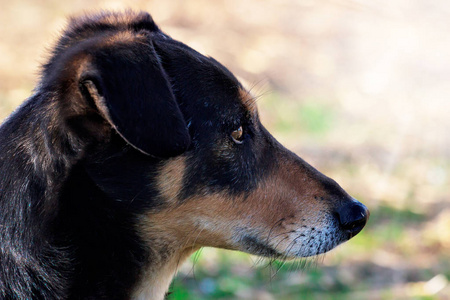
(360,89)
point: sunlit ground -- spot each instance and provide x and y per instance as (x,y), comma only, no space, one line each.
(360,89)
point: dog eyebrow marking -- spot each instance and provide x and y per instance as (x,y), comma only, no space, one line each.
(249,101)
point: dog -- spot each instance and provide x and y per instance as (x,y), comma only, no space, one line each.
(133,152)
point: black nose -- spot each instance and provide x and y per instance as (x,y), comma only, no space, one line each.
(352,217)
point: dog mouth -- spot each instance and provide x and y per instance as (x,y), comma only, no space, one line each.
(254,246)
(302,242)
(313,247)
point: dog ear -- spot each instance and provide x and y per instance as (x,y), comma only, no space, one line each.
(132,92)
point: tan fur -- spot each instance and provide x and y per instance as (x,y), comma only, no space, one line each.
(170,179)
(248,101)
(157,280)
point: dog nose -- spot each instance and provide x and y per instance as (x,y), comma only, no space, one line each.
(353,217)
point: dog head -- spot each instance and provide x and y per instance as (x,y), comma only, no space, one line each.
(173,134)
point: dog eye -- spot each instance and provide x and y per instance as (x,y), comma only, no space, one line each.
(237,135)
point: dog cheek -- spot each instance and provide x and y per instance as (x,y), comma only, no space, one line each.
(169,181)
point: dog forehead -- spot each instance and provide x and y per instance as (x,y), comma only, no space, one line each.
(197,79)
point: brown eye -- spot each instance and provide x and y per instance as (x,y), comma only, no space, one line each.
(236,135)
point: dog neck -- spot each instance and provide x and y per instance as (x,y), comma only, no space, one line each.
(156,280)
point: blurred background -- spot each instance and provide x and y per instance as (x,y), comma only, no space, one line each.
(360,89)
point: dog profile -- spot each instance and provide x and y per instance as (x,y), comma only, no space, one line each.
(135,151)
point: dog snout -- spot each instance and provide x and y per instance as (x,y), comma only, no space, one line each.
(352,217)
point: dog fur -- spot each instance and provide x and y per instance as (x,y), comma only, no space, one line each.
(128,157)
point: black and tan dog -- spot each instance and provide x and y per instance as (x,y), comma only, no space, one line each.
(135,151)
